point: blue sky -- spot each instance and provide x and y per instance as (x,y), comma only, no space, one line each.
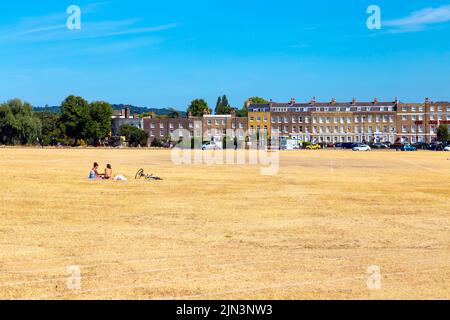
(166,53)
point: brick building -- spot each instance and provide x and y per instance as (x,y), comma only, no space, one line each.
(259,117)
(316,122)
(330,122)
(124,117)
(165,128)
(418,122)
(216,127)
(206,128)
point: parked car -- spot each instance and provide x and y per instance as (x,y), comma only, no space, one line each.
(447,148)
(348,145)
(421,145)
(436,147)
(408,147)
(210,146)
(397,146)
(362,147)
(379,145)
(314,147)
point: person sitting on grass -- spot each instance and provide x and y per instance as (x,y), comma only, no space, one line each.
(94,175)
(108,173)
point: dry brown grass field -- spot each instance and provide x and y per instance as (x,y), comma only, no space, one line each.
(225,231)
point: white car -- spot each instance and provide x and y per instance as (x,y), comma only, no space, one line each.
(362,147)
(447,148)
(210,146)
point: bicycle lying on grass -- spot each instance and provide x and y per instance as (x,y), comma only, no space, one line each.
(141,175)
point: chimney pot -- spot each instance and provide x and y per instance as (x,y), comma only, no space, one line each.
(126,113)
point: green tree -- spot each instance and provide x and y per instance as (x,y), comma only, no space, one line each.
(147,114)
(157,143)
(173,113)
(51,132)
(244,111)
(197,107)
(75,118)
(223,106)
(134,136)
(257,100)
(99,123)
(218,103)
(18,123)
(442,133)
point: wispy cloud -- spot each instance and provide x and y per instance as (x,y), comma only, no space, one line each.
(131,31)
(419,20)
(53,28)
(37,30)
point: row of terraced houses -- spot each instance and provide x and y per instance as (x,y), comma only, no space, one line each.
(355,121)
(313,121)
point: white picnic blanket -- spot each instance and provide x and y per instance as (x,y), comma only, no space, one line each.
(120,178)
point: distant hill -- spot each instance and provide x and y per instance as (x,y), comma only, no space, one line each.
(141,110)
(134,109)
(47,109)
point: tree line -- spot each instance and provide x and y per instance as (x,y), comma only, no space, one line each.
(78,122)
(199,106)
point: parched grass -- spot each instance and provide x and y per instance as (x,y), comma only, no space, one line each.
(224,231)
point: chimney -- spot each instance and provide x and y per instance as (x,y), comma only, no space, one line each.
(333,101)
(427,100)
(126,112)
(190,114)
(396,100)
(293,101)
(375,101)
(249,102)
(354,100)
(313,100)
